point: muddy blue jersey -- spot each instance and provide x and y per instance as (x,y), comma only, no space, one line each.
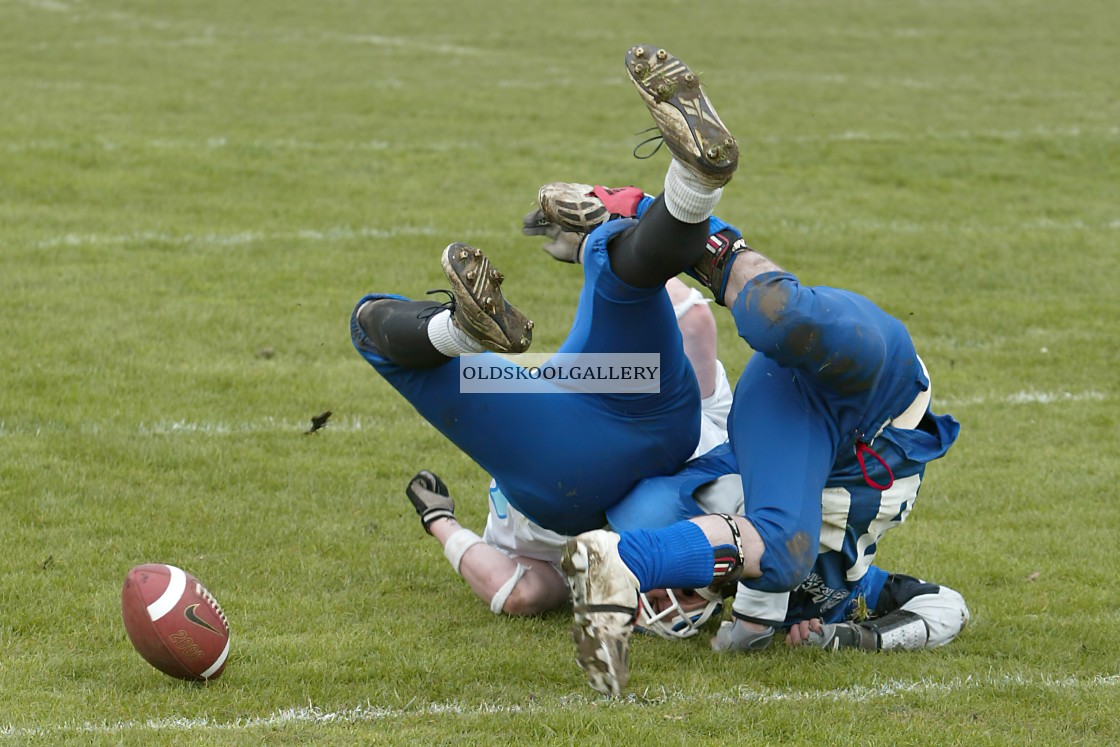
(854,514)
(843,584)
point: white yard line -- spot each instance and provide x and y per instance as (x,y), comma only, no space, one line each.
(234,239)
(1037,133)
(406,42)
(369,232)
(354,424)
(369,713)
(1024,397)
(215,142)
(956,229)
(342,424)
(220,141)
(139,22)
(183,427)
(266,425)
(48,5)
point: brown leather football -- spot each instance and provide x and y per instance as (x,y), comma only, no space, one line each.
(174,622)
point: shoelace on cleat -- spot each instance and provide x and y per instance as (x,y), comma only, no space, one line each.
(658,138)
(448,305)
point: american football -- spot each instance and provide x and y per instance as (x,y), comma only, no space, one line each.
(174,622)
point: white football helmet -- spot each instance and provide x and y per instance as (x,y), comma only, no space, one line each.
(683,612)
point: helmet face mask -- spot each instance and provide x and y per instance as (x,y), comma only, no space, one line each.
(676,613)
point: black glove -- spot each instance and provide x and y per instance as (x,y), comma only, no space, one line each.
(430,497)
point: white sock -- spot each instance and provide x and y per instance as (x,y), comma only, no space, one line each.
(449,339)
(686,196)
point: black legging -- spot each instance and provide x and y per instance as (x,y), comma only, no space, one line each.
(658,248)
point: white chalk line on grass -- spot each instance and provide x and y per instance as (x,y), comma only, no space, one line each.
(352,425)
(368,713)
(184,427)
(943,227)
(49,5)
(266,425)
(348,234)
(233,239)
(136,21)
(220,141)
(1037,133)
(1026,397)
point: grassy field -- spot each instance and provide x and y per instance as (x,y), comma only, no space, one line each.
(193,195)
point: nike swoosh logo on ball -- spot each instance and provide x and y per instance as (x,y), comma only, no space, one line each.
(192,616)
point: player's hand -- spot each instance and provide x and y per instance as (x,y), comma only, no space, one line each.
(430,497)
(803,632)
(562,245)
(737,635)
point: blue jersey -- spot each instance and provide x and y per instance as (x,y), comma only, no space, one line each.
(854,514)
(830,372)
(874,594)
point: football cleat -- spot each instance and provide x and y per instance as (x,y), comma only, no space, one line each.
(605,602)
(695,134)
(581,208)
(480,309)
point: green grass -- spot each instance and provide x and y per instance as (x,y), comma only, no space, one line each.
(183,185)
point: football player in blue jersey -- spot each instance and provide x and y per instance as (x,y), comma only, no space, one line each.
(515,565)
(845,601)
(834,398)
(609,441)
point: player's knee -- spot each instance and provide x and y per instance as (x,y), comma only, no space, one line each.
(773,294)
(515,596)
(699,324)
(532,590)
(364,327)
(772,313)
(781,574)
(524,602)
(786,561)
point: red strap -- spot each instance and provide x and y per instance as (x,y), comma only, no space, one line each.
(621,201)
(861,449)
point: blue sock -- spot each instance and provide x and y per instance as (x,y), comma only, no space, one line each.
(676,557)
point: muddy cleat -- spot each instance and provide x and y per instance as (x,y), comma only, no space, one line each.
(605,606)
(687,121)
(581,208)
(480,308)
